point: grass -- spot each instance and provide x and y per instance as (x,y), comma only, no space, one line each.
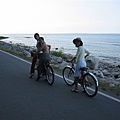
(58,53)
(19,54)
(106,87)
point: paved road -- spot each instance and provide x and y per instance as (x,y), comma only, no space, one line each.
(22,98)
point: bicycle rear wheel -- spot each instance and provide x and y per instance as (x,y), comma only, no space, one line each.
(90,84)
(68,76)
(50,75)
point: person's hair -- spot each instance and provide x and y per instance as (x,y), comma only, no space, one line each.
(36,34)
(42,38)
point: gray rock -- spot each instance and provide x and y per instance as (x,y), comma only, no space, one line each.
(92,62)
(99,74)
(105,72)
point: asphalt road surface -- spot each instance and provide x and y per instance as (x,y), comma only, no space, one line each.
(22,98)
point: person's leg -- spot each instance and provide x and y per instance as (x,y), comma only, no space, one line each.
(32,70)
(77,74)
(76,77)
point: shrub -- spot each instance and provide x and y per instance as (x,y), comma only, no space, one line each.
(58,53)
(2,37)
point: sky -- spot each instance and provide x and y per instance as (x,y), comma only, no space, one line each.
(59,16)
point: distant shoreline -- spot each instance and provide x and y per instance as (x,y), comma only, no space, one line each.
(2,37)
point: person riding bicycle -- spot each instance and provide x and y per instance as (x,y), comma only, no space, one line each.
(41,48)
(44,56)
(80,56)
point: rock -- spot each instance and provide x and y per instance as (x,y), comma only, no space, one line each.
(99,74)
(63,64)
(59,59)
(118,79)
(105,72)
(112,85)
(115,74)
(92,62)
(56,59)
(28,54)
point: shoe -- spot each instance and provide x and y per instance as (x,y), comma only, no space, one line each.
(83,91)
(31,75)
(38,78)
(74,90)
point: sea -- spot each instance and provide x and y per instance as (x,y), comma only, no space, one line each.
(103,46)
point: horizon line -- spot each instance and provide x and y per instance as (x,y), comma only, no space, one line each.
(67,33)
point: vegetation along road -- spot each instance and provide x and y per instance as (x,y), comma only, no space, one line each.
(22,98)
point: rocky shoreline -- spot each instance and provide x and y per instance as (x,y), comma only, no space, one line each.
(106,71)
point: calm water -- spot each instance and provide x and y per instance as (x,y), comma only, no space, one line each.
(99,45)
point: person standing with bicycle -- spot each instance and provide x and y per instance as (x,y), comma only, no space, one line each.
(41,48)
(34,59)
(80,56)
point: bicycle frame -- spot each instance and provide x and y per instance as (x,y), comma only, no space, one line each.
(87,79)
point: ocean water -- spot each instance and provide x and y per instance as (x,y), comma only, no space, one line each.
(99,45)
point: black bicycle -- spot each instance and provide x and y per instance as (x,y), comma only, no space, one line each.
(47,71)
(88,80)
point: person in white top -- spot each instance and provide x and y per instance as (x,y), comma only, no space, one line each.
(80,56)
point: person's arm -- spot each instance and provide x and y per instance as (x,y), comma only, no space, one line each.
(41,47)
(87,53)
(73,59)
(49,47)
(77,54)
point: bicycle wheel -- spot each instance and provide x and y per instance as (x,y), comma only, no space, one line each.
(49,75)
(68,76)
(90,84)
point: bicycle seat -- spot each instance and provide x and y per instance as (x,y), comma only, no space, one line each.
(84,68)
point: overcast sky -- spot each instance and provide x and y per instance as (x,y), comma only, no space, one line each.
(59,16)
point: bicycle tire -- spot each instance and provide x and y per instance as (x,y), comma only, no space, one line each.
(49,75)
(90,84)
(68,75)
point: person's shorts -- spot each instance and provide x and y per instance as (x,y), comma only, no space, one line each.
(79,64)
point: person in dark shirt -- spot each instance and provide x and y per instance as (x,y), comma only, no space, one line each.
(41,48)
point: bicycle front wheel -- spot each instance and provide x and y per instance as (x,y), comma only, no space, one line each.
(50,75)
(90,84)
(68,76)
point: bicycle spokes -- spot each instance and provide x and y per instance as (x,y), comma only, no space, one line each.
(50,75)
(90,85)
(68,76)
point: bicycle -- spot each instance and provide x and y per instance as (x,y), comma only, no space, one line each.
(88,80)
(47,70)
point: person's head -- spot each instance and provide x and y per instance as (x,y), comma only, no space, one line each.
(41,39)
(36,36)
(78,42)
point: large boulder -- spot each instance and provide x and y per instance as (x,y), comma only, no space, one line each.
(92,62)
